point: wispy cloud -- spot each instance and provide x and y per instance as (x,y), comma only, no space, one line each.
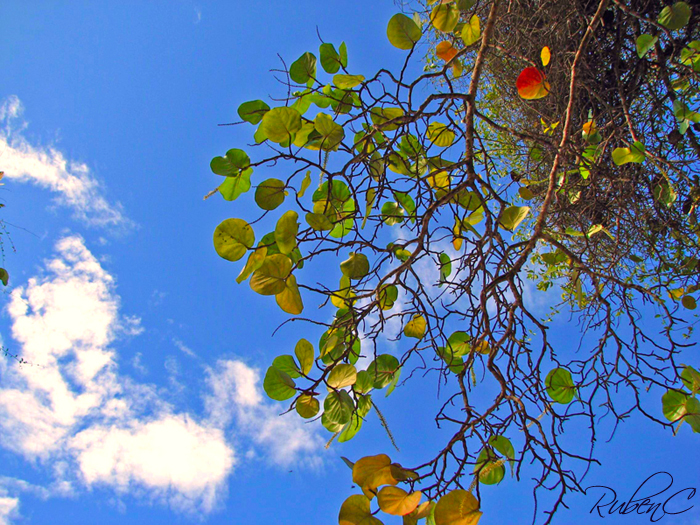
(75,414)
(9,508)
(47,167)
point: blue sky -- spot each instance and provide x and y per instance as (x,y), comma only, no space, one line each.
(142,402)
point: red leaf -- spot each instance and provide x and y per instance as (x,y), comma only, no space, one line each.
(532,84)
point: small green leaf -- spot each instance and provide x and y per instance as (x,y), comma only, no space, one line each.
(343,51)
(235,161)
(253,111)
(232,238)
(270,278)
(674,404)
(255,260)
(303,69)
(440,135)
(691,379)
(363,383)
(382,370)
(503,445)
(512,217)
(270,194)
(675,16)
(356,266)
(307,406)
(459,344)
(387,296)
(331,134)
(392,213)
(278,385)
(348,81)
(635,154)
(4,276)
(286,232)
(289,299)
(338,407)
(330,60)
(351,429)
(489,472)
(445,267)
(234,187)
(471,32)
(560,385)
(644,44)
(688,302)
(403,32)
(319,221)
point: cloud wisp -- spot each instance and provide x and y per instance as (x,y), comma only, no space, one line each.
(47,168)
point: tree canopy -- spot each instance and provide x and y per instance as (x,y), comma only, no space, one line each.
(549,142)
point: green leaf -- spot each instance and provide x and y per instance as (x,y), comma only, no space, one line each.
(622,156)
(303,69)
(415,327)
(305,354)
(319,222)
(560,385)
(445,267)
(382,370)
(280,124)
(348,81)
(387,296)
(394,382)
(445,17)
(471,32)
(674,404)
(688,302)
(286,232)
(675,16)
(331,133)
(402,32)
(644,44)
(356,266)
(270,278)
(380,117)
(307,406)
(503,445)
(270,194)
(343,50)
(286,364)
(338,407)
(255,260)
(440,135)
(512,217)
(253,111)
(4,276)
(234,187)
(356,511)
(304,184)
(459,344)
(278,385)
(341,376)
(330,60)
(351,429)
(236,160)
(489,472)
(691,379)
(232,238)
(392,213)
(363,383)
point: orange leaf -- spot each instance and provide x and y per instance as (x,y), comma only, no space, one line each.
(532,84)
(446,51)
(545,55)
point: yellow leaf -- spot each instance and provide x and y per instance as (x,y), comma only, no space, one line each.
(415,327)
(458,507)
(289,299)
(355,511)
(471,32)
(545,55)
(397,502)
(365,467)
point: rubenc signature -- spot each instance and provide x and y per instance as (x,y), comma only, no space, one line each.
(644,504)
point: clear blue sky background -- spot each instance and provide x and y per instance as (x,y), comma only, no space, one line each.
(129,95)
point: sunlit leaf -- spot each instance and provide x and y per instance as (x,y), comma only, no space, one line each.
(280,124)
(270,194)
(691,379)
(560,385)
(415,327)
(286,364)
(387,296)
(234,187)
(446,51)
(444,17)
(330,60)
(289,299)
(382,370)
(445,266)
(304,184)
(512,216)
(232,238)
(457,507)
(356,266)
(253,111)
(440,135)
(341,376)
(235,161)
(286,232)
(304,351)
(307,406)
(396,501)
(532,84)
(471,32)
(644,44)
(348,81)
(356,511)
(270,278)
(319,221)
(303,69)
(338,407)
(459,344)
(278,385)
(622,156)
(403,32)
(490,473)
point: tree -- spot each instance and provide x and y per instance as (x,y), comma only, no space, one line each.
(549,141)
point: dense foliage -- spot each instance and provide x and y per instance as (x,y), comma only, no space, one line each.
(549,142)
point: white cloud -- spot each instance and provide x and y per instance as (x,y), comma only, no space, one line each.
(73,412)
(183,347)
(236,397)
(48,168)
(8,509)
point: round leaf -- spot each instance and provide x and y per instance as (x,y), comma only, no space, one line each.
(303,69)
(289,299)
(440,135)
(444,17)
(270,194)
(560,385)
(348,81)
(355,511)
(338,407)
(232,238)
(253,111)
(458,507)
(356,266)
(286,364)
(675,16)
(286,232)
(280,124)
(330,60)
(545,55)
(387,296)
(278,385)
(269,279)
(688,302)
(532,84)
(512,217)
(402,32)
(471,32)
(305,354)
(415,327)
(446,51)
(341,376)
(319,221)
(459,344)
(332,134)
(396,501)
(382,370)
(232,164)
(307,406)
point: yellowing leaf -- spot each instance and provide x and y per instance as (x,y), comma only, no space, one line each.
(415,327)
(355,511)
(232,238)
(458,507)
(397,502)
(341,376)
(255,261)
(365,467)
(305,354)
(440,135)
(532,84)
(471,32)
(289,299)
(307,406)
(444,17)
(545,55)
(269,279)
(512,217)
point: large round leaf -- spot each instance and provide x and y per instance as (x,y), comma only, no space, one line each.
(560,385)
(387,296)
(341,376)
(458,507)
(280,124)
(512,217)
(532,84)
(445,17)
(253,111)
(382,370)
(338,407)
(234,187)
(232,238)
(332,134)
(270,194)
(307,406)
(232,164)
(459,343)
(287,364)
(490,472)
(403,32)
(471,32)
(356,266)
(278,385)
(270,278)
(330,60)
(396,501)
(440,135)
(675,16)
